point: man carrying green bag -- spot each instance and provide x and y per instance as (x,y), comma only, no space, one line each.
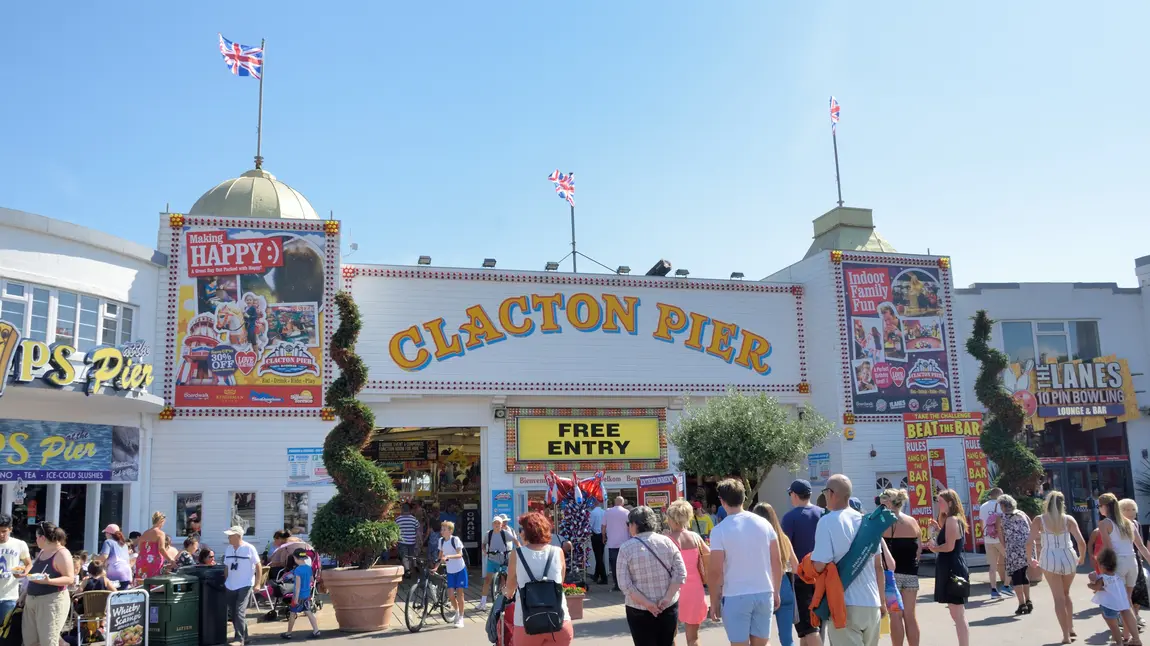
(852,542)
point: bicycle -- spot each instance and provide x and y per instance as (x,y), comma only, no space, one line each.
(428,594)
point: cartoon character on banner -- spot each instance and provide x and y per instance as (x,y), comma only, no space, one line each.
(576,498)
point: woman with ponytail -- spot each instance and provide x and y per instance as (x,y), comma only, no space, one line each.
(1118,534)
(1052,532)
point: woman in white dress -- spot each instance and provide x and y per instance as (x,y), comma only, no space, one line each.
(1052,533)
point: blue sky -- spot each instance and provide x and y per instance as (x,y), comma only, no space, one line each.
(1011,136)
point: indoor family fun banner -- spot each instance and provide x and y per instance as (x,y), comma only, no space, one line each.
(250,322)
(898,351)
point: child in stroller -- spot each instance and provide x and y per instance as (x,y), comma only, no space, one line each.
(301,597)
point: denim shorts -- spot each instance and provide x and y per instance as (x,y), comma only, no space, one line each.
(745,615)
(1107,613)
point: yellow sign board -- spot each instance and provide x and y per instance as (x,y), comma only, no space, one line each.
(588,438)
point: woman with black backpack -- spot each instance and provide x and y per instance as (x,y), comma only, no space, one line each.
(535,576)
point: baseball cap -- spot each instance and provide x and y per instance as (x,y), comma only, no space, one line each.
(299,553)
(801,488)
(697,504)
(234,530)
(498,519)
(855,504)
(112,528)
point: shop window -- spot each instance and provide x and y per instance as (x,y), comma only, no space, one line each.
(296,512)
(38,326)
(73,509)
(1111,439)
(244,512)
(189,513)
(111,504)
(1084,340)
(1048,443)
(1079,443)
(52,315)
(1018,341)
(32,510)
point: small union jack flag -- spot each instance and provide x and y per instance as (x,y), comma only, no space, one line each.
(241,59)
(564,185)
(834,113)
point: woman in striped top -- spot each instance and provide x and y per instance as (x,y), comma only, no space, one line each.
(408,536)
(1054,530)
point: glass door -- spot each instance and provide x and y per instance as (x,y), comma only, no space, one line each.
(1080,495)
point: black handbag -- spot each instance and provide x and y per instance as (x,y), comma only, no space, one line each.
(958,587)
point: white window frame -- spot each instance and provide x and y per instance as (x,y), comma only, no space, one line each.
(1035,333)
(53,311)
(177,512)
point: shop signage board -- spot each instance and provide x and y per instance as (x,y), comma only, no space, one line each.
(588,438)
(43,451)
(818,467)
(503,503)
(527,332)
(406,450)
(1086,393)
(612,479)
(926,465)
(306,468)
(897,318)
(127,618)
(105,369)
(978,479)
(250,326)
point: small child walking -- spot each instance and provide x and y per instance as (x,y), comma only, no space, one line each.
(302,602)
(1110,595)
(451,553)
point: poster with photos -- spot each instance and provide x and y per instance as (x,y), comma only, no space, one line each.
(898,349)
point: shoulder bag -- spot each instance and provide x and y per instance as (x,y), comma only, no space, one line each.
(542,599)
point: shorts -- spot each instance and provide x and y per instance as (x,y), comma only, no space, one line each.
(747,615)
(1018,577)
(906,581)
(493,566)
(804,594)
(305,605)
(1127,570)
(457,580)
(1107,613)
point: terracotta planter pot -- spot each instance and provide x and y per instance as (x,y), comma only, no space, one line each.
(575,606)
(363,599)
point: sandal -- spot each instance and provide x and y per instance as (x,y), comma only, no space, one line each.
(286,636)
(315,634)
(1021,610)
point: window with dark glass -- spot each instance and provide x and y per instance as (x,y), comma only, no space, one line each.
(1084,342)
(1111,439)
(1078,443)
(1018,341)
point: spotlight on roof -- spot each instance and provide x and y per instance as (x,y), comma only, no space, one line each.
(488,263)
(551,266)
(736,275)
(623,269)
(682,273)
(425,260)
(661,268)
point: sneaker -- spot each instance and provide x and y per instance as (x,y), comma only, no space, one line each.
(995,594)
(1006,589)
(459,623)
(482,604)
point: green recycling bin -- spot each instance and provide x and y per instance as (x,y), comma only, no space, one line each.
(173,610)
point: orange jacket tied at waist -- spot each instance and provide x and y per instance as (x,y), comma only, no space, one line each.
(827,584)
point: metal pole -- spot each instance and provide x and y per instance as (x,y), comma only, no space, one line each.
(574,261)
(838,183)
(260,119)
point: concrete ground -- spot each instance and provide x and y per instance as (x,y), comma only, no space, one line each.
(990,621)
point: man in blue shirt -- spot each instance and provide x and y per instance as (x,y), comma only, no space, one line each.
(799,525)
(598,524)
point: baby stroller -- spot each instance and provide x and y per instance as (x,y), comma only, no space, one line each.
(285,582)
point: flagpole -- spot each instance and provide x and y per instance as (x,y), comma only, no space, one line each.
(260,118)
(838,183)
(574,263)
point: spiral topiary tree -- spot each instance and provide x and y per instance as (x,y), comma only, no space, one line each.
(1019,471)
(352,526)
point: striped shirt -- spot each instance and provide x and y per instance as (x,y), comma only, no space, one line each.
(408,529)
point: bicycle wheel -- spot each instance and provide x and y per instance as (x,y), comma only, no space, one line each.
(415,614)
(446,606)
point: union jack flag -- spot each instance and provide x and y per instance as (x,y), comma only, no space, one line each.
(564,185)
(834,113)
(241,59)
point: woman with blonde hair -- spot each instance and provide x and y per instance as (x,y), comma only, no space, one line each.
(152,557)
(692,598)
(904,544)
(1138,597)
(950,562)
(1052,532)
(1118,534)
(785,615)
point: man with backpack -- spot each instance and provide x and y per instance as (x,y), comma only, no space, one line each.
(989,512)
(498,544)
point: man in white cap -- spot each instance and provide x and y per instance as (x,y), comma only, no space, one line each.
(242,563)
(499,543)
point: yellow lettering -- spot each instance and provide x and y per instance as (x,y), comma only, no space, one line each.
(752,353)
(672,320)
(33,356)
(445,347)
(480,329)
(16,441)
(52,447)
(524,329)
(105,365)
(63,372)
(395,349)
(698,328)
(547,305)
(721,337)
(616,312)
(148,376)
(584,313)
